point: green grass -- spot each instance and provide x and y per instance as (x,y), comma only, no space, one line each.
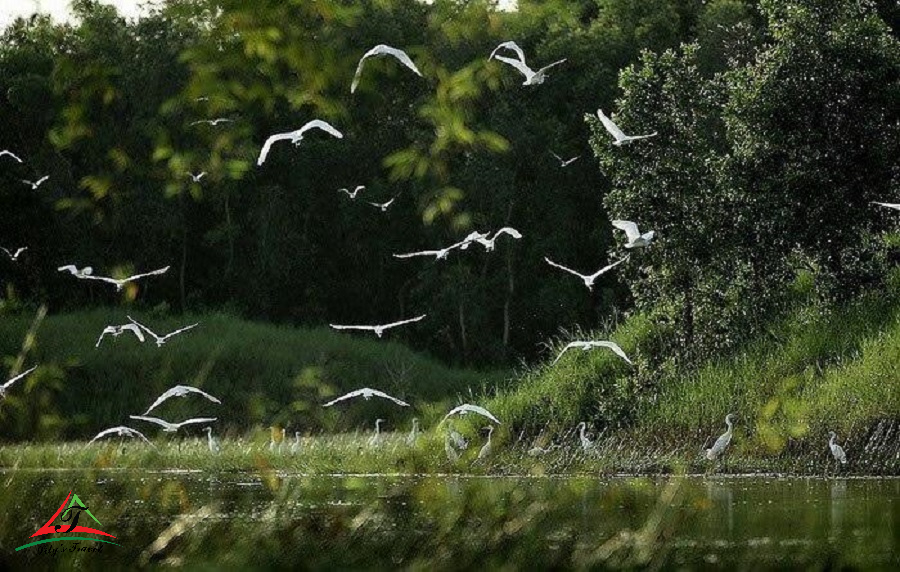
(263,374)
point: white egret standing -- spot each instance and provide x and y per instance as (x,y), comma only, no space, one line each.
(180,391)
(487,448)
(588,279)
(296,137)
(295,446)
(172,427)
(586,346)
(367,394)
(531,77)
(8,384)
(383,50)
(379,329)
(635,238)
(374,439)
(452,454)
(722,442)
(586,444)
(212,441)
(160,340)
(836,450)
(8,153)
(414,433)
(618,134)
(14,256)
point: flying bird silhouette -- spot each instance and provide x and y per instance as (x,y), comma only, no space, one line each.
(212,122)
(383,50)
(35,184)
(531,77)
(588,345)
(468,408)
(180,391)
(356,191)
(117,331)
(117,282)
(160,340)
(172,427)
(8,153)
(379,329)
(634,236)
(14,256)
(8,384)
(488,243)
(588,279)
(565,162)
(618,134)
(296,137)
(121,431)
(383,206)
(367,393)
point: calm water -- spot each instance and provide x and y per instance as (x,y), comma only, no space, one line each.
(268,519)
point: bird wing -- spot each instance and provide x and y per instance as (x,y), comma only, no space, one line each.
(167,394)
(121,430)
(41,180)
(323,125)
(68,268)
(11,154)
(18,377)
(135,329)
(264,152)
(386,396)
(420,253)
(610,126)
(347,396)
(20,251)
(339,327)
(636,137)
(545,68)
(143,327)
(145,274)
(569,346)
(558,158)
(510,45)
(178,331)
(508,230)
(160,422)
(106,330)
(615,348)
(630,228)
(196,420)
(607,268)
(382,50)
(519,65)
(561,267)
(401,322)
(188,389)
(888,205)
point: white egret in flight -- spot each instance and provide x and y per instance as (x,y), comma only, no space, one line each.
(379,329)
(634,236)
(531,77)
(160,340)
(14,256)
(8,153)
(367,393)
(382,50)
(836,450)
(588,279)
(296,137)
(618,134)
(180,391)
(35,184)
(352,194)
(196,178)
(383,206)
(117,331)
(467,408)
(565,162)
(586,346)
(213,122)
(121,431)
(87,274)
(172,427)
(722,442)
(488,243)
(8,384)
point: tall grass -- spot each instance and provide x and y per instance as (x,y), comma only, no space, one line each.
(264,375)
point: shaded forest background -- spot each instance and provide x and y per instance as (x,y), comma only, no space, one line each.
(778,124)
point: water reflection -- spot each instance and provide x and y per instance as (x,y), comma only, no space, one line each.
(267,520)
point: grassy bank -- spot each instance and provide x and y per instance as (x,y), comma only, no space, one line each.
(263,374)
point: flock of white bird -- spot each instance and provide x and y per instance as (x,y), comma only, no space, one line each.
(454,442)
